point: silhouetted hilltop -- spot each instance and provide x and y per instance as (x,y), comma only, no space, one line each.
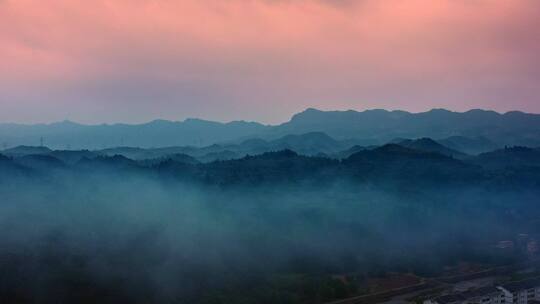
(73,156)
(178,158)
(348,152)
(40,161)
(308,144)
(393,152)
(395,162)
(516,157)
(219,155)
(26,150)
(429,145)
(113,164)
(281,166)
(469,145)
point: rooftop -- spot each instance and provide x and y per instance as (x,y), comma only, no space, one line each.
(457,298)
(520,285)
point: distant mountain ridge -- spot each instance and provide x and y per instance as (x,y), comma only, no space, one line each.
(158,133)
(380,126)
(474,131)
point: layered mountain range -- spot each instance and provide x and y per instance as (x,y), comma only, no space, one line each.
(104,212)
(470,132)
(309,144)
(314,157)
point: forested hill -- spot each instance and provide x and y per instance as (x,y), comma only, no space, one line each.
(387,163)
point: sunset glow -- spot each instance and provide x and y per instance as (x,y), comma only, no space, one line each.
(263,59)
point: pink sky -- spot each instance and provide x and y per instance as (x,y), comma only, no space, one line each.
(137,60)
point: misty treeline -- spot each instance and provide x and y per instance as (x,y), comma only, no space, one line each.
(272,228)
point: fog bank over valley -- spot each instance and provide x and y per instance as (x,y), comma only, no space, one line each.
(270,228)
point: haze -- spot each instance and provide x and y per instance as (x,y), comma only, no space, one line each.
(134,61)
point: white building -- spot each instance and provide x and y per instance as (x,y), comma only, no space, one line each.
(486,295)
(522,292)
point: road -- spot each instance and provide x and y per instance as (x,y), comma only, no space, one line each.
(396,296)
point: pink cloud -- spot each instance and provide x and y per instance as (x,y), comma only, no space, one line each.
(264,59)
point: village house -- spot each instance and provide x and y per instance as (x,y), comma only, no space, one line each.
(486,295)
(522,292)
(519,292)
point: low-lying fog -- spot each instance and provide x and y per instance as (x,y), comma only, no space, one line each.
(126,238)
